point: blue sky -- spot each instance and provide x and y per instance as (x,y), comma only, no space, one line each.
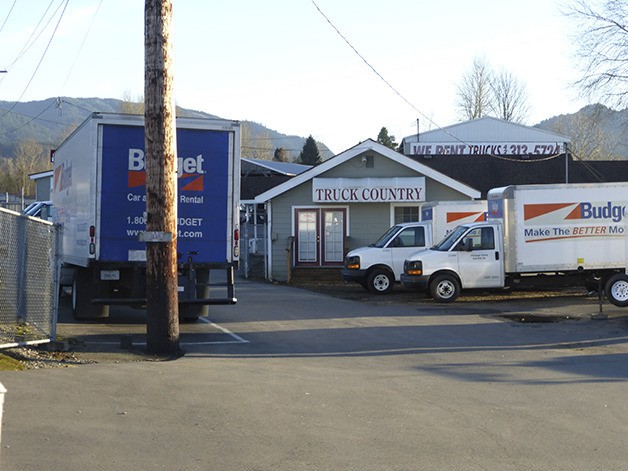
(281,64)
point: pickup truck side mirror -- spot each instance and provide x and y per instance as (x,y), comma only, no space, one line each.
(466,245)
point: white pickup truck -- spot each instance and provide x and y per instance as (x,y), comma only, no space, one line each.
(378,267)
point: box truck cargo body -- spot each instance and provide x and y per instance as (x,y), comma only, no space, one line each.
(99,201)
(380,265)
(565,234)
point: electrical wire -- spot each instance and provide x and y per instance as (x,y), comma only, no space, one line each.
(29,43)
(8,15)
(403,97)
(33,118)
(82,44)
(42,57)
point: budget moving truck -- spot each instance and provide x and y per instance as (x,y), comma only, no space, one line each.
(380,265)
(535,235)
(99,202)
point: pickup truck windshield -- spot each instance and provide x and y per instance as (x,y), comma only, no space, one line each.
(446,244)
(383,240)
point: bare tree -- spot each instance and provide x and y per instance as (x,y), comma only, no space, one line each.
(475,95)
(602,47)
(29,158)
(132,105)
(589,139)
(510,99)
(256,146)
(483,92)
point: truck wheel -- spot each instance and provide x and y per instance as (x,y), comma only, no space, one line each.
(445,289)
(380,281)
(189,313)
(617,290)
(82,292)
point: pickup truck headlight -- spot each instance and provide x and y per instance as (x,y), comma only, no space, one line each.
(352,263)
(411,267)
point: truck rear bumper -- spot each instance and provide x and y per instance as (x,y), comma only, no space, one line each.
(357,276)
(414,281)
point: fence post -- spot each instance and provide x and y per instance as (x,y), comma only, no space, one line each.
(2,393)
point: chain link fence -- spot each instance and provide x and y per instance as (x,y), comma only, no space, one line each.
(14,202)
(253,250)
(28,280)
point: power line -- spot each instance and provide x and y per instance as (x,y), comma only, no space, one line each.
(42,56)
(8,15)
(82,44)
(446,131)
(29,43)
(33,118)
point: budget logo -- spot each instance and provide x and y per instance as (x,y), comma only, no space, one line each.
(464,216)
(557,213)
(190,171)
(62,177)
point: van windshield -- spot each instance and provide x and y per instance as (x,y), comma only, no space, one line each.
(383,240)
(446,244)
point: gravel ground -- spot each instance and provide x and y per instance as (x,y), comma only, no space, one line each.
(34,358)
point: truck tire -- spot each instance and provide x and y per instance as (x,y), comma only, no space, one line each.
(445,289)
(82,293)
(617,290)
(189,313)
(380,281)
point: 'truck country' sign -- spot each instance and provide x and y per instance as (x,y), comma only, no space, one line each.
(368,190)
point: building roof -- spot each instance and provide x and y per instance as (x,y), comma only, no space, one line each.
(281,168)
(485,172)
(367,146)
(487,129)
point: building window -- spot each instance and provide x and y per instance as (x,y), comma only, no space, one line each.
(406,214)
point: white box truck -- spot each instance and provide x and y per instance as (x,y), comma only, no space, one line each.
(380,265)
(535,235)
(99,202)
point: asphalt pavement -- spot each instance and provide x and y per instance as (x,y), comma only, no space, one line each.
(290,379)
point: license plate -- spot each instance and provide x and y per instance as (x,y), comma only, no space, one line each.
(110,275)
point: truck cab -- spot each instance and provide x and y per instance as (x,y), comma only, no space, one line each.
(378,266)
(471,256)
(39,209)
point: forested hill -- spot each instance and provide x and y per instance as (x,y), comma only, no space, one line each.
(49,122)
(597,132)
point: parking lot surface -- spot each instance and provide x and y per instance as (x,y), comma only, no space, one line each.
(295,379)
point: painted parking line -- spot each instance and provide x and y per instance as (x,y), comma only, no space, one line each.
(235,337)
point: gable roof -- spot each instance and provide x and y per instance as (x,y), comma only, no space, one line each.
(487,129)
(367,146)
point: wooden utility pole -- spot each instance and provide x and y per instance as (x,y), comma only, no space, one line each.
(162,325)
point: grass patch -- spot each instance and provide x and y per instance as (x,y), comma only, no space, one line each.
(8,363)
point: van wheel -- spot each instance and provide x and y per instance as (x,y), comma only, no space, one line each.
(617,290)
(380,281)
(445,289)
(82,293)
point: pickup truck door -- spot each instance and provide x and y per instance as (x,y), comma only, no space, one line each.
(408,241)
(481,267)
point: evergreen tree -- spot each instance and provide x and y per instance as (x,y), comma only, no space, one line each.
(280,155)
(310,154)
(387,140)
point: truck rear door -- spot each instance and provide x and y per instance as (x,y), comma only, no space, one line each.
(481,267)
